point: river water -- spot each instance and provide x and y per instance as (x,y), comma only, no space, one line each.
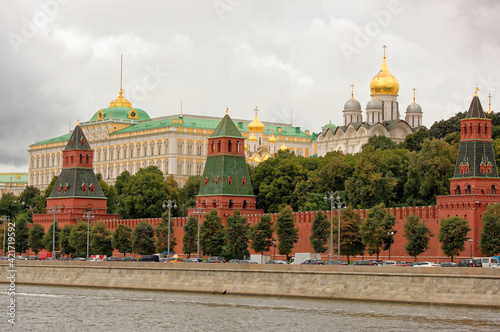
(42,308)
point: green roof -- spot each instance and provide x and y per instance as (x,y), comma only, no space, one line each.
(226,128)
(120,113)
(225,175)
(62,138)
(14,178)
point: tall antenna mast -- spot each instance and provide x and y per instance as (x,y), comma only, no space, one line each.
(121,70)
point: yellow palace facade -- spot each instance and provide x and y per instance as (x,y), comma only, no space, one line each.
(125,138)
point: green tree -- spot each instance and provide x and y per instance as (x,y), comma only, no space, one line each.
(286,231)
(275,180)
(187,194)
(30,197)
(444,127)
(10,206)
(212,235)
(78,238)
(372,182)
(35,239)
(236,237)
(161,233)
(101,240)
(22,234)
(320,232)
(414,142)
(122,239)
(417,235)
(452,235)
(190,239)
(143,242)
(490,231)
(333,170)
(42,202)
(375,229)
(66,248)
(351,243)
(110,193)
(262,234)
(121,182)
(380,143)
(142,196)
(429,171)
(47,239)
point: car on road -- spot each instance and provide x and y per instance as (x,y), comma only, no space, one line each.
(424,264)
(33,258)
(173,260)
(113,259)
(234,260)
(448,264)
(247,261)
(389,263)
(149,258)
(470,263)
(276,261)
(79,259)
(365,262)
(66,258)
(129,259)
(335,262)
(313,262)
(193,260)
(215,259)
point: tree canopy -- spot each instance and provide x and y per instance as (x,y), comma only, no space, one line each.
(490,231)
(452,235)
(417,235)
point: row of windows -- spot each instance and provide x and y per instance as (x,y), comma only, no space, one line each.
(49,160)
(144,150)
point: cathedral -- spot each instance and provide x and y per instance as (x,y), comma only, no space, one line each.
(382,118)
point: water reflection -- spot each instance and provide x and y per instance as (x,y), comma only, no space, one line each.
(88,309)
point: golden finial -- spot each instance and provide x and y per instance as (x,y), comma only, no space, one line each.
(384,47)
(291,118)
(121,101)
(352,91)
(477,90)
(227,110)
(78,121)
(489,103)
(414,94)
(256,110)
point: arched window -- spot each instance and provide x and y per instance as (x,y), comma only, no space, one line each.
(152,148)
(231,203)
(111,153)
(145,147)
(118,152)
(229,145)
(468,191)
(159,147)
(493,190)
(457,190)
(218,146)
(213,146)
(138,148)
(105,154)
(237,146)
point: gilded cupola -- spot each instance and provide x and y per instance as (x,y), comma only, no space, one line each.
(256,126)
(384,83)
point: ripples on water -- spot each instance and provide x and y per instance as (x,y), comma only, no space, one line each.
(87,309)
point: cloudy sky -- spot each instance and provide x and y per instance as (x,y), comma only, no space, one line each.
(60,60)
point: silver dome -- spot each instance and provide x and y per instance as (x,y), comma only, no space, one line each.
(352,105)
(374,104)
(414,108)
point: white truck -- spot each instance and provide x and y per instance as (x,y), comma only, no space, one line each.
(302,257)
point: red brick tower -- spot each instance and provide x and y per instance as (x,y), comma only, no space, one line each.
(475,183)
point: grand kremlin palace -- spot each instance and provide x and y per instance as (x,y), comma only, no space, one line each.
(126,138)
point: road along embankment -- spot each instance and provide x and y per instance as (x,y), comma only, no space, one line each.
(454,286)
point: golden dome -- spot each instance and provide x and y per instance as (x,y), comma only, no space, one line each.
(273,139)
(283,147)
(384,83)
(252,138)
(120,101)
(246,147)
(256,126)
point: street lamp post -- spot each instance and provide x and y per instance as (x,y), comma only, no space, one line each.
(391,233)
(335,202)
(5,220)
(89,215)
(470,241)
(54,210)
(169,204)
(199,211)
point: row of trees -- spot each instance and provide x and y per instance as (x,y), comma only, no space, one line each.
(358,235)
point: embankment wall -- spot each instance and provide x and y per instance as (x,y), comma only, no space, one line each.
(451,286)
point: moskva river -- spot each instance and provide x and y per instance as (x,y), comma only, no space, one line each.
(87,309)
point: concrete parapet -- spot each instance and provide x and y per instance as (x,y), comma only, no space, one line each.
(453,286)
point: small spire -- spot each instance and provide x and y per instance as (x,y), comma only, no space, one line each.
(489,103)
(121,71)
(78,121)
(227,110)
(384,47)
(414,94)
(352,91)
(477,90)
(256,110)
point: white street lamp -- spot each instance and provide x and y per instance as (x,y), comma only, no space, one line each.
(198,211)
(170,204)
(335,202)
(89,215)
(391,233)
(5,220)
(54,210)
